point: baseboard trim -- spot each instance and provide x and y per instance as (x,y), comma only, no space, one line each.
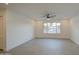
(17,46)
(75,42)
(49,38)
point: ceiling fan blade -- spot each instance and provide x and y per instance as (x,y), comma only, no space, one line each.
(52,16)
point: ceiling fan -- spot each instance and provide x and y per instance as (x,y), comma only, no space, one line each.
(48,15)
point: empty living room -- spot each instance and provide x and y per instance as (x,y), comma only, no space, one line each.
(39,29)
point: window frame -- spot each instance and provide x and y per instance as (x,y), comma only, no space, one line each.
(56,28)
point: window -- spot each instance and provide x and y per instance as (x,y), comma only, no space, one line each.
(51,27)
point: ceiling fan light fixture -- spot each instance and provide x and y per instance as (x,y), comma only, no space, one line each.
(48,19)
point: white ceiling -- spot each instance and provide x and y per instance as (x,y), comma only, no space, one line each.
(39,9)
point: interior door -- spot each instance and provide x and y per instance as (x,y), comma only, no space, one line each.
(1,33)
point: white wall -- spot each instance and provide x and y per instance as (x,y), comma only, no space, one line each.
(75,29)
(65,30)
(18,29)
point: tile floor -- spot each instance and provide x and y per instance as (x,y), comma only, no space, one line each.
(47,47)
